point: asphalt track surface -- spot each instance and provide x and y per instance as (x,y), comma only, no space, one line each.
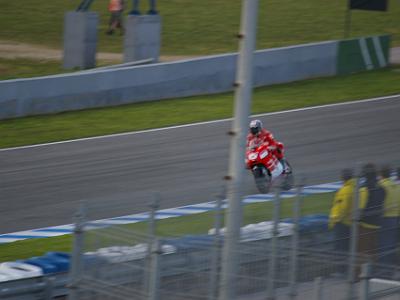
(116,175)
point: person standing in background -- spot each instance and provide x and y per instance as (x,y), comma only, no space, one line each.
(341,211)
(116,8)
(372,197)
(388,234)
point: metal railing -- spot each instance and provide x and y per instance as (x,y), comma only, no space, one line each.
(291,256)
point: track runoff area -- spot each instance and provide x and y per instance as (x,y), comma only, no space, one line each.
(178,211)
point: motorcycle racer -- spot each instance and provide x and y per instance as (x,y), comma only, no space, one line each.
(258,135)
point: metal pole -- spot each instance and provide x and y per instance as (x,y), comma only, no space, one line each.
(353,241)
(48,292)
(243,93)
(274,247)
(152,216)
(347,21)
(151,238)
(295,241)
(216,256)
(365,275)
(154,280)
(77,252)
(318,288)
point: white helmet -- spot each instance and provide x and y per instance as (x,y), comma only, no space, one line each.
(255,126)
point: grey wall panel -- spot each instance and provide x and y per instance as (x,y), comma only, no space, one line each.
(295,63)
(206,75)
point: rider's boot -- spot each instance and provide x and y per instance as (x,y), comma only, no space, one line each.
(284,165)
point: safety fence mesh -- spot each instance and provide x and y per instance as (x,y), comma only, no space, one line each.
(302,253)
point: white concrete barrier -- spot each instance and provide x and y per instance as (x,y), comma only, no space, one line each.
(206,75)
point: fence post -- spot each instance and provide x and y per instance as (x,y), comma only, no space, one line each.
(365,275)
(154,276)
(49,288)
(318,288)
(274,246)
(353,241)
(154,206)
(216,255)
(295,240)
(77,253)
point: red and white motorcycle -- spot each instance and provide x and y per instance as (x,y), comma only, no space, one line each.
(267,169)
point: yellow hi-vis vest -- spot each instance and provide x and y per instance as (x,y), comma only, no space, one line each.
(392,198)
(342,206)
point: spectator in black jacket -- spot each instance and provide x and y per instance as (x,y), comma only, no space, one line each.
(372,197)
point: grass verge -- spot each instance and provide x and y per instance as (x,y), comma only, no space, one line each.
(95,122)
(20,68)
(191,27)
(25,68)
(194,224)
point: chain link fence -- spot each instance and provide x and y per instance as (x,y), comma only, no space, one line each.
(295,248)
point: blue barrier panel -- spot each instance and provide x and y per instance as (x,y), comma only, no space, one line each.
(46,265)
(60,260)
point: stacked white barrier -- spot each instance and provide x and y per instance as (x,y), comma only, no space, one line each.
(18,270)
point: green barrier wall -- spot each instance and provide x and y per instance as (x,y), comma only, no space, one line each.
(362,54)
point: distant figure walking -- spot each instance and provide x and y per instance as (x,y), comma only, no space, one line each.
(116,8)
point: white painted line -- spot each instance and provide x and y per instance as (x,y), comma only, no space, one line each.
(365,54)
(288,195)
(35,233)
(205,123)
(331,185)
(314,191)
(187,211)
(379,52)
(61,227)
(210,205)
(250,200)
(113,222)
(5,241)
(161,217)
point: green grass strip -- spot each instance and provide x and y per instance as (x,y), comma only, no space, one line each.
(192,27)
(95,122)
(179,226)
(26,68)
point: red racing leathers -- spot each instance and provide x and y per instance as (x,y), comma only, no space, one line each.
(264,136)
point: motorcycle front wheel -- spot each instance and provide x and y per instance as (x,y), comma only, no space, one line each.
(262,180)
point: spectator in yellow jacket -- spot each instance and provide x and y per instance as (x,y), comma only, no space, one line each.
(388,234)
(341,211)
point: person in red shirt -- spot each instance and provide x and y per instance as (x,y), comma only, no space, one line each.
(116,8)
(259,135)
